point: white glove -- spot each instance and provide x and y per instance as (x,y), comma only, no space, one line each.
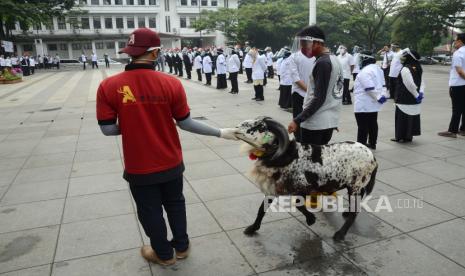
(228,133)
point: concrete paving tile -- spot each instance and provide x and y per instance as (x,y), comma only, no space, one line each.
(96,155)
(43,174)
(122,263)
(54,132)
(24,249)
(11,163)
(242,163)
(406,179)
(458,160)
(437,151)
(403,156)
(199,155)
(189,194)
(43,149)
(199,221)
(17,149)
(96,167)
(6,177)
(223,187)
(103,142)
(381,189)
(441,170)
(335,265)
(34,271)
(280,243)
(384,164)
(208,169)
(96,184)
(228,151)
(445,196)
(30,215)
(460,182)
(35,191)
(458,144)
(192,144)
(37,135)
(409,213)
(97,206)
(49,160)
(402,255)
(93,237)
(210,255)
(240,211)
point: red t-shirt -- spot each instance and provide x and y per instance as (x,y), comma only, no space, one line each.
(144,102)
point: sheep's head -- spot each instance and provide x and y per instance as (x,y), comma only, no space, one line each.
(267,137)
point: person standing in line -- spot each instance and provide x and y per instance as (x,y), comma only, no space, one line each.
(369,96)
(409,95)
(269,62)
(394,69)
(187,63)
(357,63)
(32,65)
(84,61)
(347,62)
(14,61)
(285,81)
(169,60)
(94,59)
(248,63)
(207,68)
(144,106)
(258,73)
(387,55)
(2,63)
(240,54)
(234,64)
(45,65)
(278,65)
(457,89)
(107,60)
(57,61)
(198,65)
(322,103)
(221,82)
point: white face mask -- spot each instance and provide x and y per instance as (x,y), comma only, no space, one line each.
(343,51)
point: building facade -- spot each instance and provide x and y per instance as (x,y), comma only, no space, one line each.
(106,24)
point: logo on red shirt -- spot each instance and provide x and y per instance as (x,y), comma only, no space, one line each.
(127,94)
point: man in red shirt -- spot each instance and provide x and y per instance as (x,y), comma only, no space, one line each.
(140,104)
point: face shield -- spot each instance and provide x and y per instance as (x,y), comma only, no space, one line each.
(406,53)
(365,59)
(304,44)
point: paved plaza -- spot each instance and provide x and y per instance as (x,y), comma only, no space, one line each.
(65,209)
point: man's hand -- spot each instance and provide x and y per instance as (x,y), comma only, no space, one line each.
(292,127)
(420,97)
(229,133)
(382,99)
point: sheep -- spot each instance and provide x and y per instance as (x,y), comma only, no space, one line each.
(285,167)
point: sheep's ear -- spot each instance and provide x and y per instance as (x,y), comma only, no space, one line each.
(280,134)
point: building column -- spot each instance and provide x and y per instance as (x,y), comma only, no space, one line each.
(116,49)
(70,50)
(94,49)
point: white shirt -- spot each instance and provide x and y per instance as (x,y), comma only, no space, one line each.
(285,72)
(8,62)
(346,61)
(248,61)
(407,79)
(94,57)
(32,62)
(396,65)
(301,68)
(278,65)
(234,64)
(221,64)
(387,57)
(198,62)
(356,63)
(458,60)
(2,61)
(14,61)
(83,58)
(269,59)
(259,68)
(207,64)
(368,87)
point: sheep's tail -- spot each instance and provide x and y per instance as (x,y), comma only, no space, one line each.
(369,187)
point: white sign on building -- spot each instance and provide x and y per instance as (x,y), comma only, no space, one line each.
(7,46)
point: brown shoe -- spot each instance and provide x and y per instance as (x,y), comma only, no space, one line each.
(448,134)
(184,254)
(147,252)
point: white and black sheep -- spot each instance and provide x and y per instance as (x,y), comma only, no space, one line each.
(285,167)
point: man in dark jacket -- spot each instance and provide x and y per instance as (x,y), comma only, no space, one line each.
(187,63)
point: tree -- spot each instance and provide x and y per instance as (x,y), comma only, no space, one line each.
(31,12)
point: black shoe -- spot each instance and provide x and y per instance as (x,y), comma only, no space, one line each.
(254,99)
(373,147)
(260,99)
(396,140)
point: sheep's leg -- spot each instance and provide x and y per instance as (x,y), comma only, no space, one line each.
(350,218)
(258,221)
(310,217)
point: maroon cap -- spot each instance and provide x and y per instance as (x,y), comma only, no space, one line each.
(140,41)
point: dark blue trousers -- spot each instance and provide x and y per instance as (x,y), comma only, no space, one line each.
(150,200)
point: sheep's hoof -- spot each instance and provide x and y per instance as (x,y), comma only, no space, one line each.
(310,220)
(339,236)
(250,231)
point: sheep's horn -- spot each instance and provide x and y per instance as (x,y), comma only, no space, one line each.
(281,134)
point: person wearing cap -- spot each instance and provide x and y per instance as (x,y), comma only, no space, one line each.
(144,106)
(221,82)
(409,95)
(269,62)
(187,63)
(207,67)
(394,69)
(347,62)
(457,89)
(322,102)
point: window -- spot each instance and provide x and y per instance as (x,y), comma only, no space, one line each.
(141,22)
(167,5)
(108,23)
(118,2)
(73,22)
(214,3)
(121,44)
(94,2)
(141,2)
(63,47)
(37,26)
(87,46)
(76,46)
(130,22)
(97,23)
(119,23)
(85,23)
(107,2)
(61,24)
(99,45)
(192,20)
(49,25)
(153,2)
(27,47)
(130,2)
(183,23)
(152,22)
(204,2)
(194,3)
(82,2)
(168,24)
(183,2)
(52,47)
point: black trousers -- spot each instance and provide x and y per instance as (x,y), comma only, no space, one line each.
(270,72)
(175,69)
(199,74)
(367,123)
(346,93)
(188,72)
(258,92)
(107,64)
(171,68)
(248,72)
(316,137)
(180,73)
(285,100)
(151,199)
(221,82)
(457,95)
(208,76)
(297,107)
(264,79)
(240,68)
(392,87)
(386,77)
(233,79)
(355,75)
(94,63)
